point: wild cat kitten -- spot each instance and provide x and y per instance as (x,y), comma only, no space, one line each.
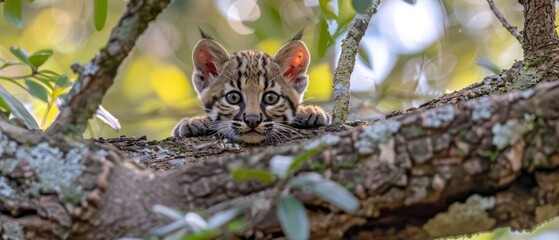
(250,96)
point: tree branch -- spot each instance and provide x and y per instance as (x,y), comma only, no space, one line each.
(97,76)
(412,165)
(541,43)
(346,63)
(512,30)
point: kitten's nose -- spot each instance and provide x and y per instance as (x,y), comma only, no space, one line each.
(252,120)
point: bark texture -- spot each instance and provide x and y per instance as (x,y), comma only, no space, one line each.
(406,171)
(346,62)
(453,166)
(541,42)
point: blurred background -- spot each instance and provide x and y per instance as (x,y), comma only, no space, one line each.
(413,51)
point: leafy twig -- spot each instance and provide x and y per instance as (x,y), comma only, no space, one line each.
(346,62)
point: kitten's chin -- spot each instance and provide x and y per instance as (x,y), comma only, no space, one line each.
(252,137)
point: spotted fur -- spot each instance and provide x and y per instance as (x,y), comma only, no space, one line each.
(250,96)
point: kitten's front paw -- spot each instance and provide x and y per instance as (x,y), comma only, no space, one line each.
(312,117)
(192,127)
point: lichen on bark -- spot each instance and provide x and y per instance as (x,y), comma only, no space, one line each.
(468,217)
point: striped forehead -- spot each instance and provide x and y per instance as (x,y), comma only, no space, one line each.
(252,71)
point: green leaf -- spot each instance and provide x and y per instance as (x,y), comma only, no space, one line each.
(108,118)
(326,9)
(46,71)
(346,11)
(8,64)
(167,211)
(45,80)
(221,218)
(40,57)
(30,1)
(293,218)
(280,164)
(62,81)
(324,39)
(326,190)
(37,90)
(208,234)
(13,11)
(364,56)
(303,157)
(21,54)
(243,174)
(4,108)
(236,225)
(18,109)
(335,194)
(100,8)
(166,229)
(360,6)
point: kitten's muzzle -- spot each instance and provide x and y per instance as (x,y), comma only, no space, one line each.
(252,121)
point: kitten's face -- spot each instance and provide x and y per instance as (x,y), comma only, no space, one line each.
(250,100)
(250,96)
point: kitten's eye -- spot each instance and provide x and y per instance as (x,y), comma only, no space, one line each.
(270,98)
(233,97)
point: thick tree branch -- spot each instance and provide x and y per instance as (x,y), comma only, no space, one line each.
(346,62)
(97,76)
(412,165)
(512,30)
(541,43)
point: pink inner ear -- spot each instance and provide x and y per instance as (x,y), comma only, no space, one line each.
(211,69)
(208,67)
(297,65)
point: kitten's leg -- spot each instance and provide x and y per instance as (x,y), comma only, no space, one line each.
(311,117)
(192,127)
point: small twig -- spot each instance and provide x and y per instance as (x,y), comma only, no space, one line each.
(346,62)
(504,21)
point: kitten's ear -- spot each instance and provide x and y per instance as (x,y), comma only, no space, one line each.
(208,57)
(293,59)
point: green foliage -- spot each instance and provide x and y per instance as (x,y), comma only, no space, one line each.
(326,190)
(100,8)
(301,158)
(4,108)
(243,174)
(293,218)
(17,108)
(325,39)
(360,6)
(13,12)
(21,54)
(40,57)
(43,84)
(193,226)
(325,10)
(36,90)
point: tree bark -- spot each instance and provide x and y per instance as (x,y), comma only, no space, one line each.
(406,171)
(346,62)
(453,166)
